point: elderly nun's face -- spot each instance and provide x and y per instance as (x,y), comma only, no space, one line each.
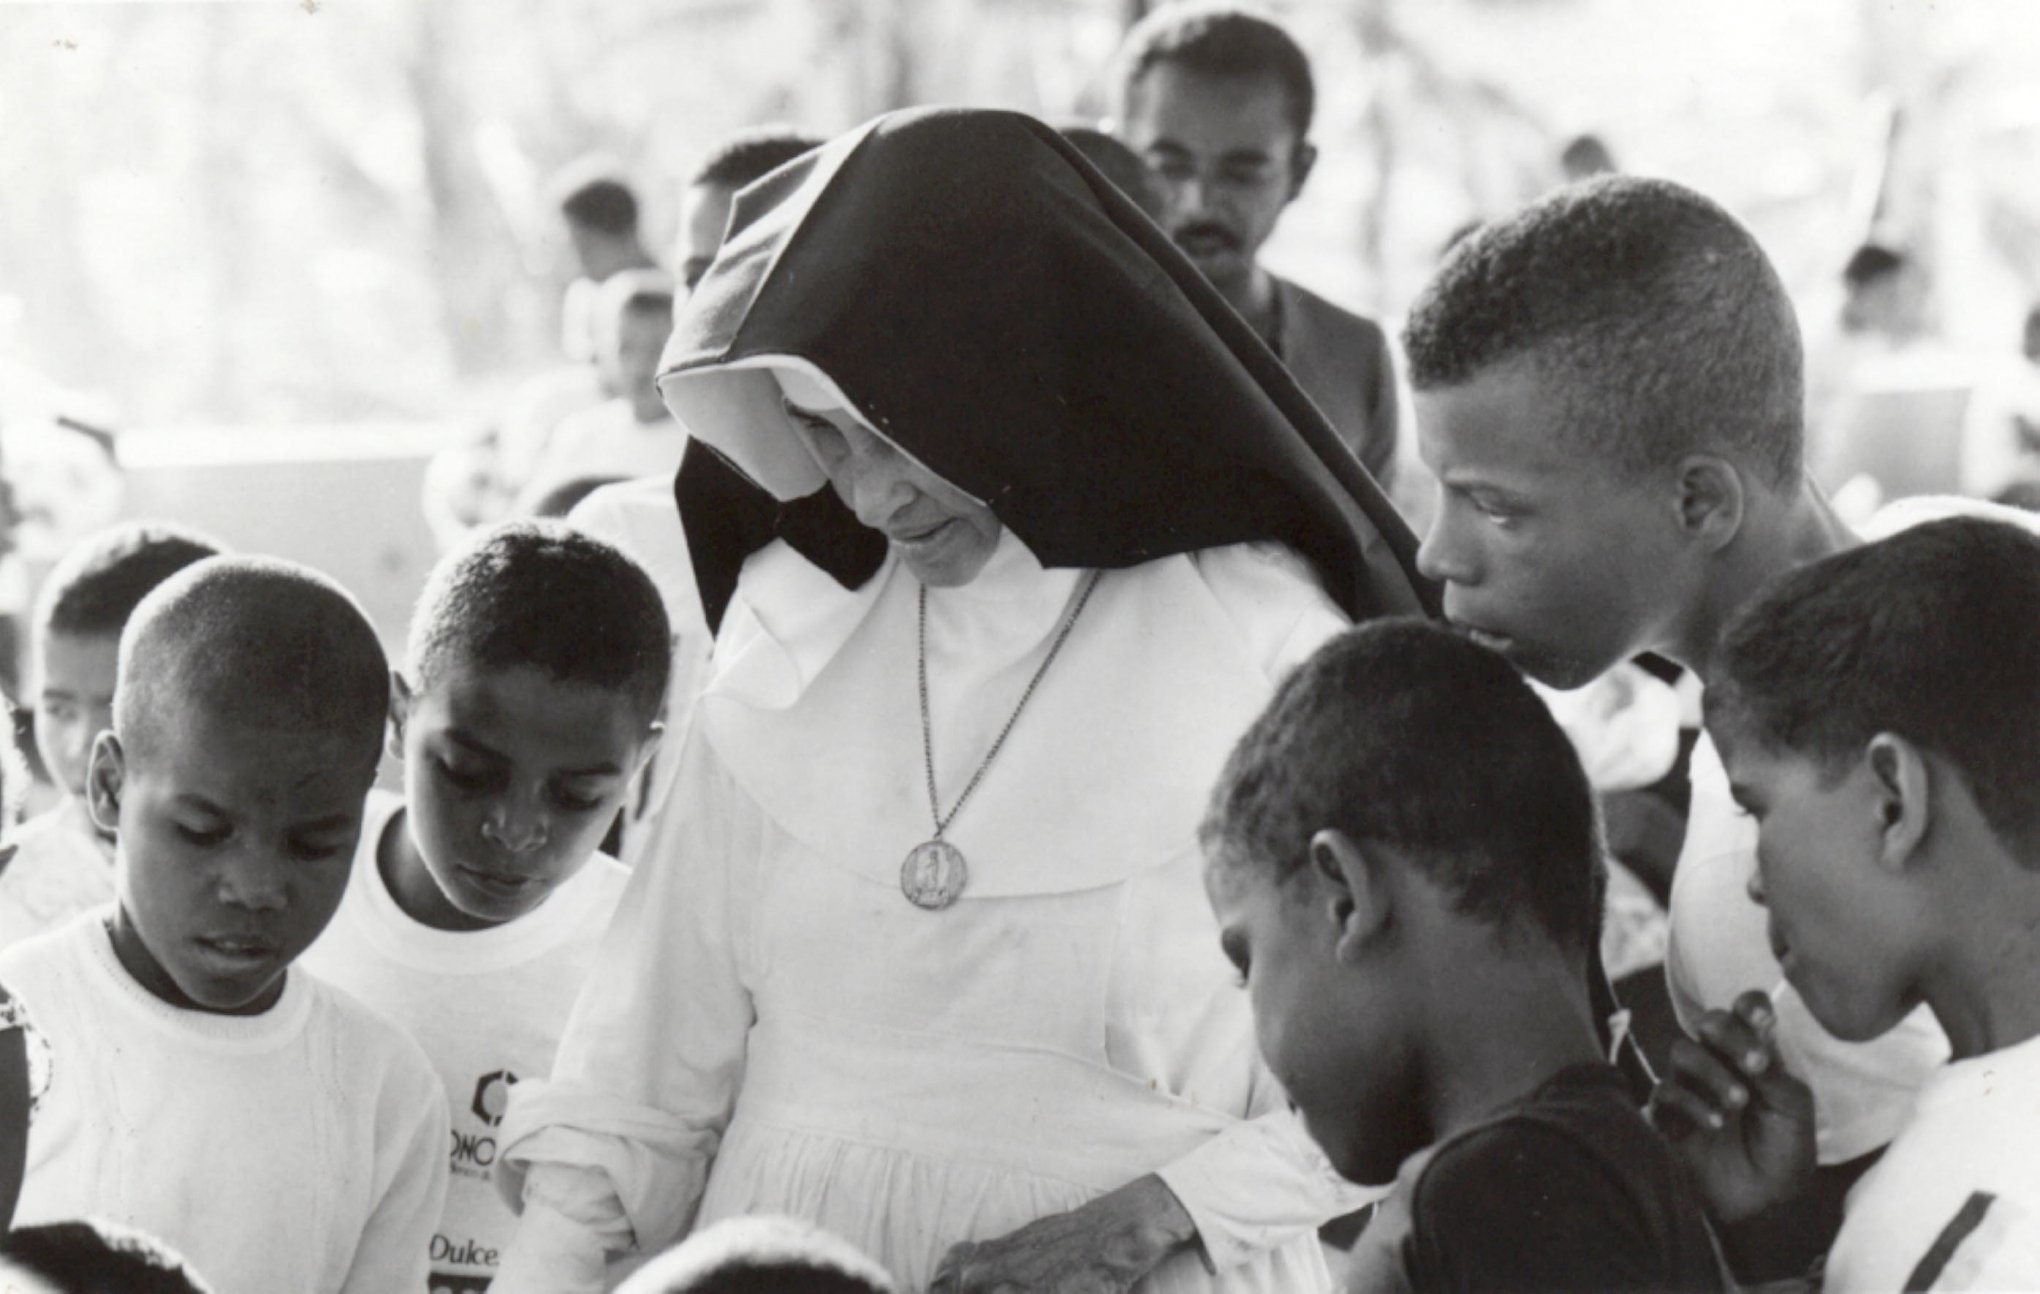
(944,536)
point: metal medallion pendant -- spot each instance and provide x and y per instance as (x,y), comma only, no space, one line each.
(934,875)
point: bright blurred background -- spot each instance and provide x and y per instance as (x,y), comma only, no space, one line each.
(281,250)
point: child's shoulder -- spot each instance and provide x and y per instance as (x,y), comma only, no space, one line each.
(64,953)
(361,1037)
(606,877)
(1577,1147)
(1570,1189)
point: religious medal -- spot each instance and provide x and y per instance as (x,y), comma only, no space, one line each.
(933,875)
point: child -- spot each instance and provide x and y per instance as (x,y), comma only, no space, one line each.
(1404,861)
(527,704)
(1875,714)
(630,434)
(763,1254)
(277,1133)
(1608,387)
(65,863)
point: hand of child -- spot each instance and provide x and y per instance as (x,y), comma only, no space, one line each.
(1742,1123)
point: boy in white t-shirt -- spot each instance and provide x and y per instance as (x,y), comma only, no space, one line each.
(1875,715)
(527,704)
(64,865)
(271,1129)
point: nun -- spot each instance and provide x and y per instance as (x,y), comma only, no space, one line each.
(1008,526)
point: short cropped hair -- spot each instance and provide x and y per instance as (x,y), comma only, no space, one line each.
(1653,308)
(98,583)
(1406,734)
(761,1254)
(750,154)
(253,641)
(603,203)
(540,594)
(93,1257)
(1220,40)
(1871,262)
(1932,635)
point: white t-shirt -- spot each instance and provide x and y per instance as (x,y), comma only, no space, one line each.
(1955,1203)
(302,1149)
(1719,947)
(61,867)
(641,518)
(488,1006)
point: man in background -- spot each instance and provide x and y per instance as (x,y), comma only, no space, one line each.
(1217,99)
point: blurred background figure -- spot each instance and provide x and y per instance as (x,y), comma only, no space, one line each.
(629,434)
(1584,157)
(1218,100)
(1887,400)
(2001,443)
(705,202)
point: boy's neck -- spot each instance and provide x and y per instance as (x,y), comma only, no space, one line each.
(1985,986)
(1503,1027)
(409,881)
(1781,533)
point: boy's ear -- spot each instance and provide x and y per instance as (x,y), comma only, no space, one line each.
(1301,164)
(655,738)
(1710,500)
(1354,893)
(1901,784)
(400,712)
(105,776)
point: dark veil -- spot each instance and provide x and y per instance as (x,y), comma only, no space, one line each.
(995,307)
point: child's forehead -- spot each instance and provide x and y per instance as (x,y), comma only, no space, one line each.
(64,649)
(526,695)
(243,740)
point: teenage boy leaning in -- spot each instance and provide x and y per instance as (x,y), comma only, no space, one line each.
(1875,712)
(1404,859)
(203,1090)
(527,704)
(1608,387)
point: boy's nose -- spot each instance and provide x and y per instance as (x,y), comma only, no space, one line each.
(255,883)
(513,832)
(1437,559)
(1756,886)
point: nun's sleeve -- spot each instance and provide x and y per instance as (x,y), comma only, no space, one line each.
(612,1153)
(1260,1184)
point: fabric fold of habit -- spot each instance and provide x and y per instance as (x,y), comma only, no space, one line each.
(1119,412)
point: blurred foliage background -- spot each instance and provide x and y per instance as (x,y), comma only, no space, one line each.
(268,213)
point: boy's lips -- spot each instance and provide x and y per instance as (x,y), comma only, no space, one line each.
(1487,638)
(236,953)
(507,885)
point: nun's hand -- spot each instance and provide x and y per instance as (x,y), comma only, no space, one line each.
(1101,1248)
